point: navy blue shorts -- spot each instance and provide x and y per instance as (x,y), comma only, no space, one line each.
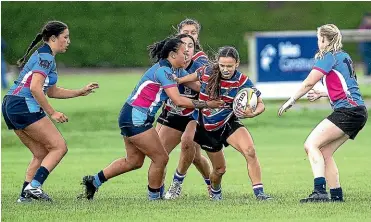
(213,141)
(174,121)
(133,122)
(16,113)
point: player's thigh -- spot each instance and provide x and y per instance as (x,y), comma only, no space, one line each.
(169,137)
(46,133)
(148,142)
(37,149)
(217,160)
(324,133)
(241,140)
(328,149)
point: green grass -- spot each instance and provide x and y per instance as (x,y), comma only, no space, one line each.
(94,141)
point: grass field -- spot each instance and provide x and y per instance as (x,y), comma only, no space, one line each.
(94,141)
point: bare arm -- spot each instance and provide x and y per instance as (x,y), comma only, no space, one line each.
(313,77)
(188,78)
(61,93)
(313,95)
(185,102)
(248,113)
(260,108)
(36,89)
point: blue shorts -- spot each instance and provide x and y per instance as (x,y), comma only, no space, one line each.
(16,113)
(133,122)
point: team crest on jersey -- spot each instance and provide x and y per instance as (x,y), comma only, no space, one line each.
(169,76)
(45,63)
(187,91)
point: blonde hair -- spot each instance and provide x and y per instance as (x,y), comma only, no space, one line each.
(333,35)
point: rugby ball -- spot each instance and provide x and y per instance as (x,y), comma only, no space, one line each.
(245,99)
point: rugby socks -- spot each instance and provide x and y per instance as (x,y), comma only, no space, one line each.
(207,181)
(217,190)
(258,188)
(179,177)
(41,174)
(336,194)
(99,179)
(155,194)
(24,186)
(320,184)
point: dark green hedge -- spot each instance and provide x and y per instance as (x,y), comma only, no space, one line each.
(117,33)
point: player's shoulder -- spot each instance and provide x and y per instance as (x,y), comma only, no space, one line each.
(45,51)
(200,57)
(199,54)
(240,75)
(44,56)
(329,56)
(162,66)
(341,54)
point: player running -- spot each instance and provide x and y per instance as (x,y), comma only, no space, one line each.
(220,126)
(176,124)
(138,114)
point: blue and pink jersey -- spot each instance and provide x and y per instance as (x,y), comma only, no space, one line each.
(214,119)
(340,80)
(149,95)
(41,61)
(186,92)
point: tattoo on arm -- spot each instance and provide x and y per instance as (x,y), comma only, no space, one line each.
(199,104)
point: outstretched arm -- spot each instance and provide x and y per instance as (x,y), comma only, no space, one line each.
(61,93)
(188,78)
(182,101)
(196,86)
(313,77)
(314,94)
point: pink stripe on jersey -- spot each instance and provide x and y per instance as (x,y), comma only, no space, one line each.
(28,81)
(17,90)
(335,87)
(321,70)
(352,102)
(147,95)
(169,86)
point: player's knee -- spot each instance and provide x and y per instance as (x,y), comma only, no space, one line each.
(162,159)
(249,153)
(307,146)
(137,164)
(63,148)
(41,154)
(220,170)
(188,145)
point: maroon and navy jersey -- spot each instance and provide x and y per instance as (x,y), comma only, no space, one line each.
(200,57)
(214,119)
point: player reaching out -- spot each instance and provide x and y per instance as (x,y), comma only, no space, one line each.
(334,66)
